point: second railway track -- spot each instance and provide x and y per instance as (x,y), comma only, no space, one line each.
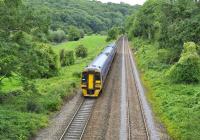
(77,125)
(131,83)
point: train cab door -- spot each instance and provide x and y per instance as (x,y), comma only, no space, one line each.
(91,81)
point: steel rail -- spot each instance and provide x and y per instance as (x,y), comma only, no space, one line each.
(127,98)
(76,127)
(140,102)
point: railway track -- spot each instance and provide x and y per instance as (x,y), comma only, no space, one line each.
(77,125)
(130,70)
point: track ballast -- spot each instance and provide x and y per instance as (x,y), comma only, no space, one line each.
(76,127)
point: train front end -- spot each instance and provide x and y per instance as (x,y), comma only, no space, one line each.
(91,83)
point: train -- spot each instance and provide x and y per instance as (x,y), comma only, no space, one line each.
(94,75)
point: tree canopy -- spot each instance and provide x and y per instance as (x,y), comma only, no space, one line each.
(170,22)
(91,16)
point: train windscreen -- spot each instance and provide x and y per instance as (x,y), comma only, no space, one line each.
(84,77)
(97,76)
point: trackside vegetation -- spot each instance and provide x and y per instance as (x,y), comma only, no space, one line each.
(165,40)
(25,106)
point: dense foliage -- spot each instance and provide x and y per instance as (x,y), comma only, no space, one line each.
(176,105)
(74,33)
(19,36)
(81,51)
(187,69)
(114,32)
(166,36)
(170,22)
(57,36)
(91,16)
(66,58)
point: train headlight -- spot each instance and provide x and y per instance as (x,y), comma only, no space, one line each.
(98,85)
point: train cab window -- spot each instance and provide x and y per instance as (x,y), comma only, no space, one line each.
(97,76)
(84,77)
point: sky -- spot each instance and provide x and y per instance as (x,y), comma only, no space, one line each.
(132,2)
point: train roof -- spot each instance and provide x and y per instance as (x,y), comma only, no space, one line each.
(100,60)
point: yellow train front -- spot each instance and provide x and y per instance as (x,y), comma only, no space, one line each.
(94,75)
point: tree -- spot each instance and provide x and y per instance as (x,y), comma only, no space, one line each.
(81,51)
(112,34)
(66,58)
(187,69)
(94,18)
(57,36)
(41,62)
(74,33)
(9,61)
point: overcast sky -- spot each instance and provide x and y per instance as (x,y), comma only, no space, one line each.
(132,2)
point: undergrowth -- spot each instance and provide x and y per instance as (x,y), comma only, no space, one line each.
(24,111)
(176,105)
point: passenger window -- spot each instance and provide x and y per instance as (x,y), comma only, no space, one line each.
(84,77)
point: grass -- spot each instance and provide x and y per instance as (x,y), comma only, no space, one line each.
(23,113)
(175,105)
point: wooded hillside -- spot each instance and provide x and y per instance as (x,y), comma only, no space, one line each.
(90,16)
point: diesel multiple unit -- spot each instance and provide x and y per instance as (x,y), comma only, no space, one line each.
(94,75)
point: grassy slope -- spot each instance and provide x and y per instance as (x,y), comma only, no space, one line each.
(15,121)
(176,105)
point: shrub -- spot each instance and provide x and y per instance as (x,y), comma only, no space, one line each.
(66,58)
(77,74)
(187,69)
(73,84)
(74,33)
(54,103)
(33,106)
(57,36)
(62,57)
(112,34)
(81,51)
(69,58)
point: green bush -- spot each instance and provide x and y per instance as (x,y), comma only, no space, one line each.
(66,58)
(74,33)
(57,36)
(20,126)
(77,74)
(187,69)
(62,57)
(69,57)
(112,34)
(54,102)
(9,61)
(33,106)
(81,51)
